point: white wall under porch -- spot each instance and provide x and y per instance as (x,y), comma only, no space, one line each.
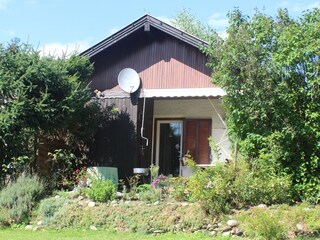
(205,108)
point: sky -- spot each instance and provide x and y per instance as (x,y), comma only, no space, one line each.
(54,26)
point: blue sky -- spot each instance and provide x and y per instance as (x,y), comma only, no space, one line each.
(53,25)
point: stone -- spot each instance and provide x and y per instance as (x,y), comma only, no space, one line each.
(56,196)
(236,231)
(29,227)
(156,203)
(213,233)
(93,228)
(232,223)
(262,206)
(227,233)
(157,231)
(119,195)
(226,229)
(91,204)
(80,198)
(39,223)
(301,227)
(114,202)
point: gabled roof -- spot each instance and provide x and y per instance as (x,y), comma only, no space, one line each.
(144,22)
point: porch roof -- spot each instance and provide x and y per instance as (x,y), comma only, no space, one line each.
(167,93)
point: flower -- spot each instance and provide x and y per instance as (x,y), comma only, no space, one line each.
(81,174)
(161,181)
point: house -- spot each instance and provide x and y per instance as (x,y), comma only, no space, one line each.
(174,107)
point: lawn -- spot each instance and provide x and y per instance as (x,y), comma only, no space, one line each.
(21,234)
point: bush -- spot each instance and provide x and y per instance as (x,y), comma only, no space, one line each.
(48,207)
(222,186)
(261,224)
(148,193)
(18,198)
(178,186)
(102,190)
(278,222)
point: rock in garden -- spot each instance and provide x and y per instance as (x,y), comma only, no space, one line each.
(236,231)
(39,223)
(119,195)
(232,223)
(91,204)
(228,233)
(262,206)
(226,229)
(80,198)
(301,227)
(213,233)
(29,227)
(94,228)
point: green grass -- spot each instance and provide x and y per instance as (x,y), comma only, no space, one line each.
(21,234)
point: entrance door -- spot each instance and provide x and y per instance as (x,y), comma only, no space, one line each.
(169,146)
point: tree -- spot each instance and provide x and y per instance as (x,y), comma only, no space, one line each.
(42,97)
(269,68)
(188,23)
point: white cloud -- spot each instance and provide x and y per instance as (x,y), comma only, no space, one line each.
(57,49)
(218,21)
(3,3)
(299,7)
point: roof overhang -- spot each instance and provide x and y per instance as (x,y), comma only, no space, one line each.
(144,22)
(167,93)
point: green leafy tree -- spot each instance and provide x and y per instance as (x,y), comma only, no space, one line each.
(269,68)
(42,98)
(188,23)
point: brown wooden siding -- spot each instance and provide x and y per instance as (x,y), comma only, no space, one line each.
(161,61)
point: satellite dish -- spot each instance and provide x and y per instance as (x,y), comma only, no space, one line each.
(129,80)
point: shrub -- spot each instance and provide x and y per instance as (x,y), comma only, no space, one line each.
(222,186)
(48,207)
(147,193)
(262,224)
(18,198)
(102,190)
(178,189)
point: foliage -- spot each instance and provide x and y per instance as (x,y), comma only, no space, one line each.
(148,193)
(222,187)
(63,175)
(160,182)
(178,189)
(42,98)
(280,221)
(133,216)
(102,190)
(49,206)
(19,197)
(187,22)
(154,171)
(263,225)
(268,67)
